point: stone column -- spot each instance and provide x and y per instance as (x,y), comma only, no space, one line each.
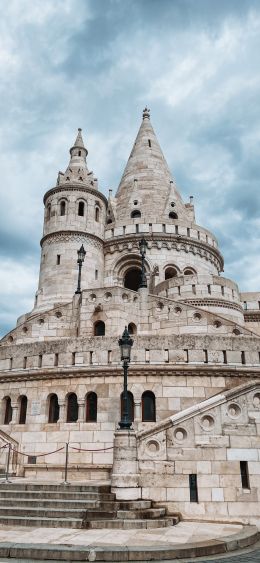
(138,411)
(15,414)
(125,476)
(81,411)
(63,412)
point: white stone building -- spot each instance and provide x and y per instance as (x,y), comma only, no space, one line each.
(194,387)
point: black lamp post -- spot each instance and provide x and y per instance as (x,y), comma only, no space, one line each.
(81,258)
(143,246)
(125,344)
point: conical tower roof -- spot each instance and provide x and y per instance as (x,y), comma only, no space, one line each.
(77,170)
(147,184)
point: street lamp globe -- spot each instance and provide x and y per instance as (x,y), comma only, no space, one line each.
(81,254)
(125,344)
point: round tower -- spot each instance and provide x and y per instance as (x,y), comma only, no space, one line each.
(74,214)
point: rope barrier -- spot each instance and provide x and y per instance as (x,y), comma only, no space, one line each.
(99,450)
(2,447)
(36,454)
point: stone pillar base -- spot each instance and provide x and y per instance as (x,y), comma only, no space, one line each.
(125,476)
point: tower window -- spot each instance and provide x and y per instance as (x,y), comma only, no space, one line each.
(81,208)
(62,207)
(170,272)
(23,409)
(54,409)
(79,153)
(58,260)
(99,328)
(48,212)
(193,487)
(97,212)
(72,408)
(148,407)
(8,411)
(135,214)
(244,475)
(209,289)
(243,357)
(91,407)
(96,274)
(173,215)
(149,143)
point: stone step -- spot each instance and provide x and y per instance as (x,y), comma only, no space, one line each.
(43,512)
(58,503)
(134,504)
(129,524)
(57,487)
(40,522)
(67,494)
(147,513)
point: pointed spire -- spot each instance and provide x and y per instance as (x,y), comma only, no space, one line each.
(147,184)
(79,143)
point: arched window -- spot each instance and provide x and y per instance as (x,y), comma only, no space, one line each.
(62,207)
(135,214)
(131,408)
(23,409)
(54,409)
(81,208)
(148,407)
(99,328)
(72,408)
(133,279)
(170,273)
(91,407)
(173,215)
(132,328)
(97,213)
(8,410)
(189,272)
(79,153)
(109,221)
(48,211)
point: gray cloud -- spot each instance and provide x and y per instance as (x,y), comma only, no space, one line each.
(95,64)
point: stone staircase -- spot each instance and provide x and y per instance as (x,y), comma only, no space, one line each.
(76,506)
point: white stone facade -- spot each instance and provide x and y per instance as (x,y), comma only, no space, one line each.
(196,338)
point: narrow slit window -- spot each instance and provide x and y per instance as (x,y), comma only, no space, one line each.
(188,232)
(91,357)
(193,289)
(73,358)
(109,356)
(209,289)
(206,358)
(149,143)
(62,207)
(137,228)
(56,359)
(179,289)
(11,362)
(96,274)
(224,357)
(245,305)
(243,357)
(40,361)
(25,362)
(187,356)
(58,260)
(176,229)
(166,356)
(198,235)
(81,208)
(147,356)
(193,487)
(244,475)
(164,228)
(222,290)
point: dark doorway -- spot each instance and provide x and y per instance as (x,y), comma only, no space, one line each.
(133,279)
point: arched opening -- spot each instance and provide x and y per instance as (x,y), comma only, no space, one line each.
(54,409)
(97,213)
(170,272)
(189,272)
(131,408)
(8,411)
(48,212)
(135,214)
(109,221)
(148,407)
(173,215)
(99,328)
(23,409)
(133,279)
(79,153)
(72,408)
(62,207)
(91,407)
(132,328)
(81,208)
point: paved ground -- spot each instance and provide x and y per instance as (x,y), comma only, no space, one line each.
(249,555)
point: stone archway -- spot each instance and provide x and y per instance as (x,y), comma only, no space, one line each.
(132,278)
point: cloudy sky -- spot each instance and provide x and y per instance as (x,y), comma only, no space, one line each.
(95,64)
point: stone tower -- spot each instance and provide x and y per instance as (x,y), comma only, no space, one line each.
(74,214)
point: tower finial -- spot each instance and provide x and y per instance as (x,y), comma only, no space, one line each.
(146,113)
